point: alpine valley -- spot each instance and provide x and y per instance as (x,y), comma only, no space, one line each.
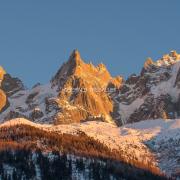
(86,124)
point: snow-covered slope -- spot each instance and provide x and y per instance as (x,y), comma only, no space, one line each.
(154,142)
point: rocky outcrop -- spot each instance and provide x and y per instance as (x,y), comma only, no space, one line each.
(155,108)
(148,63)
(3,100)
(152,94)
(2,73)
(36,114)
(8,87)
(11,85)
(84,90)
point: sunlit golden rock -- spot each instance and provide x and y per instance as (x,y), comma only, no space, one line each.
(116,82)
(173,54)
(148,62)
(2,73)
(89,96)
(166,57)
(3,100)
(75,56)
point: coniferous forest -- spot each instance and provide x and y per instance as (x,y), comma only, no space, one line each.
(23,164)
(29,153)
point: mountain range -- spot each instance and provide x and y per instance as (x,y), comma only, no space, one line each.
(80,92)
(85,114)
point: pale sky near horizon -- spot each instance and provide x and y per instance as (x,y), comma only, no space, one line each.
(37,36)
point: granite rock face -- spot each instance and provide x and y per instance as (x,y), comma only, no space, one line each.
(3,100)
(84,91)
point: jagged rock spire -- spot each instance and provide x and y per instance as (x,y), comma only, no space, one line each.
(148,62)
(68,68)
(75,57)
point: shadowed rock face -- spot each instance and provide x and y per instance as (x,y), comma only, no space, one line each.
(152,94)
(8,86)
(11,85)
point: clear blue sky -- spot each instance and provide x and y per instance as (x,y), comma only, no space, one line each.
(36,36)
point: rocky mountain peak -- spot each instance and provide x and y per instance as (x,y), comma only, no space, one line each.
(75,57)
(174,54)
(82,90)
(155,93)
(68,69)
(76,67)
(168,59)
(148,63)
(79,91)
(75,64)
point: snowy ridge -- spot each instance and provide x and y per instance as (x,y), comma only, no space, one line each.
(140,140)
